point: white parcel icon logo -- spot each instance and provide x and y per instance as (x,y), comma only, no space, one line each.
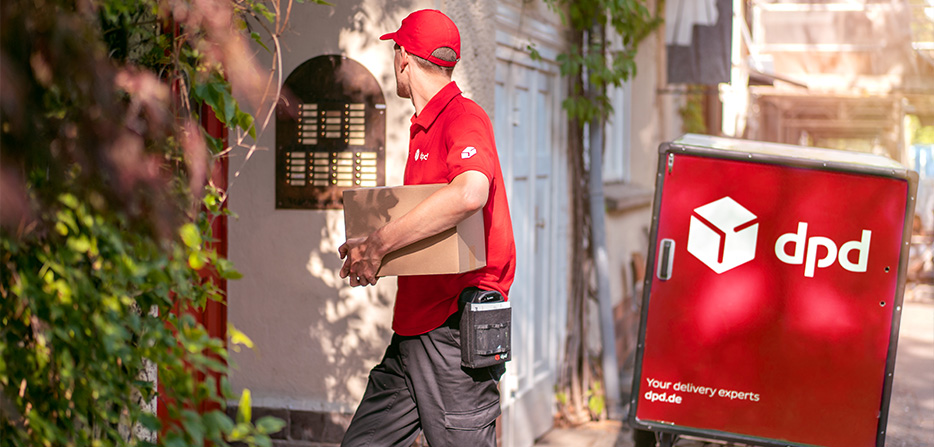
(468,152)
(723,235)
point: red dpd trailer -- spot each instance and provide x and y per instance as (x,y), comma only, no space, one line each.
(771,314)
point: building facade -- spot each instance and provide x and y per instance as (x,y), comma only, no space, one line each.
(315,337)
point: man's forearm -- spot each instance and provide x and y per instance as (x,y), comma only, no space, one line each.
(444,209)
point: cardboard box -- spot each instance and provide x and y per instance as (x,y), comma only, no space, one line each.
(457,250)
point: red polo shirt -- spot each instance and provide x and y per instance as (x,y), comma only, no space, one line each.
(453,135)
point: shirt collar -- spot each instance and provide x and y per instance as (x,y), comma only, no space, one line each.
(435,105)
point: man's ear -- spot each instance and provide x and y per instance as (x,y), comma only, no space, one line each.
(405,59)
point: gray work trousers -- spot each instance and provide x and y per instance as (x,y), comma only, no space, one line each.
(420,385)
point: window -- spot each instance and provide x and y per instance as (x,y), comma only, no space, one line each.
(616,150)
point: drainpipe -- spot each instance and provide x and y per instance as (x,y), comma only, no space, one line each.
(735,95)
(601,260)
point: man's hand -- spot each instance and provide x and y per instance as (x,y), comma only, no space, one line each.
(360,262)
(444,209)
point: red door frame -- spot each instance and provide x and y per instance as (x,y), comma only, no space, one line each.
(214,314)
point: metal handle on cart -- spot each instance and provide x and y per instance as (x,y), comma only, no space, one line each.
(666,258)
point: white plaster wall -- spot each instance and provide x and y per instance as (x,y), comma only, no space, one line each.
(650,126)
(476,21)
(627,233)
(654,111)
(654,120)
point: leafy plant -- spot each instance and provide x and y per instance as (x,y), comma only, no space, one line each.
(920,134)
(692,112)
(596,400)
(106,247)
(591,64)
(593,55)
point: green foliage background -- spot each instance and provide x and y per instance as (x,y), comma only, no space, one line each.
(592,55)
(692,112)
(591,64)
(105,220)
(920,134)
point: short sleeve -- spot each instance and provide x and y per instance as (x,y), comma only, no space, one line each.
(471,146)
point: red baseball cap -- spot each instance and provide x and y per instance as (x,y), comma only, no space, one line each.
(423,32)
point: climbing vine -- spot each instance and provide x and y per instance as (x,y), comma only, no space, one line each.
(692,111)
(106,207)
(592,63)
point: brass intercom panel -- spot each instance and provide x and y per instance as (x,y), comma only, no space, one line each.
(330,133)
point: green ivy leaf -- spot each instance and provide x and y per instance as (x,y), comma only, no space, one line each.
(174,439)
(259,40)
(238,338)
(245,122)
(262,10)
(197,260)
(596,404)
(240,431)
(79,244)
(150,421)
(268,425)
(214,94)
(69,200)
(210,201)
(262,441)
(561,397)
(194,426)
(190,235)
(245,411)
(217,422)
(226,269)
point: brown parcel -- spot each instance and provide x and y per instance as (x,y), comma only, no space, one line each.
(457,250)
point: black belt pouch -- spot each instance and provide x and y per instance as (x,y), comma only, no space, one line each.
(485,326)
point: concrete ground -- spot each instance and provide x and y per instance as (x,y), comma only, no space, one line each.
(911,408)
(603,434)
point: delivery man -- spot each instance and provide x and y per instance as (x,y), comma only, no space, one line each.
(420,384)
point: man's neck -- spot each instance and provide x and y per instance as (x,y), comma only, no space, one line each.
(426,88)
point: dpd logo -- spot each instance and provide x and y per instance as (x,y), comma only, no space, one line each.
(800,240)
(723,235)
(421,156)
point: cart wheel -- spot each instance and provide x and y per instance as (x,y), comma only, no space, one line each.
(643,438)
